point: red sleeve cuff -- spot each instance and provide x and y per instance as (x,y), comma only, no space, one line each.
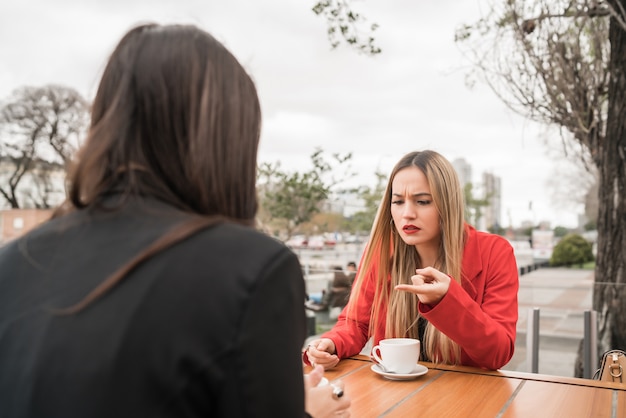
(305,358)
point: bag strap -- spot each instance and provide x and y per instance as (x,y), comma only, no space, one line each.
(615,367)
(612,367)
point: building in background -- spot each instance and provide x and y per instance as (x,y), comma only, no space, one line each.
(17,222)
(463,170)
(492,192)
(489,188)
(39,188)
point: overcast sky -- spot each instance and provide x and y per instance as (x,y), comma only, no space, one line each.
(413,96)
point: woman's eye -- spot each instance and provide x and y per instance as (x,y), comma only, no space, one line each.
(396,202)
(423,202)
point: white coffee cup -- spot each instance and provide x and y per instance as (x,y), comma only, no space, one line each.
(397,355)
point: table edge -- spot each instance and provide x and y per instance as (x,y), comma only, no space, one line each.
(513,374)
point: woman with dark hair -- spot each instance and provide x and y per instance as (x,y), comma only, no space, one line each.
(428,275)
(149,293)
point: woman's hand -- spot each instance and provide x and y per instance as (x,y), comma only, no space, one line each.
(323,401)
(322,352)
(429,284)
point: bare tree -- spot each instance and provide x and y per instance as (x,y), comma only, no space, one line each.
(47,177)
(12,170)
(40,130)
(563,63)
(574,184)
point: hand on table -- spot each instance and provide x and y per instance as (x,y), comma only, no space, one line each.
(325,401)
(321,352)
(429,284)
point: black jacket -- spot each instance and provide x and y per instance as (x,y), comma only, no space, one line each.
(211,327)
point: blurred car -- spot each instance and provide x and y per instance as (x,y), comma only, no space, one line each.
(330,242)
(320,242)
(297,242)
(316,243)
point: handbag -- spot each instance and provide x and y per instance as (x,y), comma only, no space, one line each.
(612,367)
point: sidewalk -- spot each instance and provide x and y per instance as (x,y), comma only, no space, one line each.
(562,296)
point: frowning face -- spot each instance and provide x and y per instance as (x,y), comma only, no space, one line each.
(412,208)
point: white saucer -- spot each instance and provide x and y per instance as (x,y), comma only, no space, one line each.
(418,371)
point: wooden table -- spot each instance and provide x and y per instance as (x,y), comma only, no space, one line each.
(457,391)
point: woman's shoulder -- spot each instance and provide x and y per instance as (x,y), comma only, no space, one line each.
(227,237)
(231,231)
(238,254)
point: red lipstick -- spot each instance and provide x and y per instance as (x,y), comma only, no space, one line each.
(410,229)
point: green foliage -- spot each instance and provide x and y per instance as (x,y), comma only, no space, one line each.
(362,221)
(591,225)
(571,250)
(473,205)
(497,229)
(591,265)
(323,222)
(561,231)
(290,199)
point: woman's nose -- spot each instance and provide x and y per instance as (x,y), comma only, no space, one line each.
(409,211)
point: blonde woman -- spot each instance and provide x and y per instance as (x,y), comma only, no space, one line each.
(426,274)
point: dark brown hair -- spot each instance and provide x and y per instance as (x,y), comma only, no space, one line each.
(174,103)
(176,117)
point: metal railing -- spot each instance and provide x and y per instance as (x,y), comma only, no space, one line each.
(590,342)
(558,329)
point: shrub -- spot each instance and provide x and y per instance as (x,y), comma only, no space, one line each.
(573,249)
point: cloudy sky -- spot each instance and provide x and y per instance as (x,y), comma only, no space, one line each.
(413,96)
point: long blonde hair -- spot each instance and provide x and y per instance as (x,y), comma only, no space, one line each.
(398,261)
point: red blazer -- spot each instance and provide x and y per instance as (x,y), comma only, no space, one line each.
(480,314)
